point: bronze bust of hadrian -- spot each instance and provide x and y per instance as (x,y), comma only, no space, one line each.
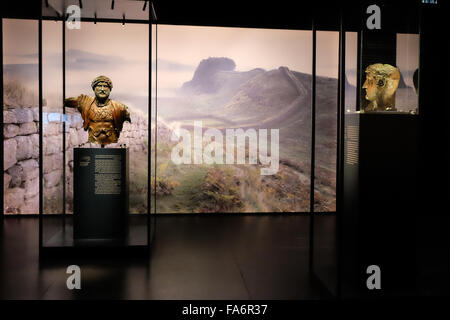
(102,118)
(381,83)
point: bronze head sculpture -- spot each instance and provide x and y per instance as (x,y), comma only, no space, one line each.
(102,118)
(381,83)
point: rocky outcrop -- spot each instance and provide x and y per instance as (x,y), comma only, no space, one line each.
(203,80)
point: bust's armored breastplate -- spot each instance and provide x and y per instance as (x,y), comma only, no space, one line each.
(101,124)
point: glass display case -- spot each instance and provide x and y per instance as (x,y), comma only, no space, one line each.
(379,148)
(95,79)
(377,152)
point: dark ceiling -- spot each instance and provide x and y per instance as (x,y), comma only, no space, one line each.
(250,13)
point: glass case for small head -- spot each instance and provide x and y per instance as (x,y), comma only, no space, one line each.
(382,60)
(379,155)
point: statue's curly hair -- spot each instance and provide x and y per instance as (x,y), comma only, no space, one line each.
(101,79)
(383,71)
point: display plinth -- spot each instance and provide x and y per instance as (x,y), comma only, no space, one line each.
(380,197)
(100,195)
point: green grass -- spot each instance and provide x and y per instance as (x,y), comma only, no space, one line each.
(280,192)
(180,201)
(138,182)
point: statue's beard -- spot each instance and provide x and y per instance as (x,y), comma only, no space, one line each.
(102,99)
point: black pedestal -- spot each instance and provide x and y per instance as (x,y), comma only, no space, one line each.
(380,199)
(100,195)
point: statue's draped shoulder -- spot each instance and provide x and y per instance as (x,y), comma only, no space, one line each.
(84,102)
(123,110)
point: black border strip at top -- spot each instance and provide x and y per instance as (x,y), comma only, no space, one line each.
(281,15)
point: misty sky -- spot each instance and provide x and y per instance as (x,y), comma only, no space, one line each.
(121,52)
(118,52)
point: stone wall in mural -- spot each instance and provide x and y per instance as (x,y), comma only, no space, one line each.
(21,161)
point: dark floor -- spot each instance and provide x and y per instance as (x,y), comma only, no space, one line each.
(193,257)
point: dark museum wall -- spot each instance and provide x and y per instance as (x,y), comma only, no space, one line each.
(432,218)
